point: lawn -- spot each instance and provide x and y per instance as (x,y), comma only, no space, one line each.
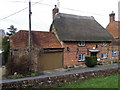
(98,82)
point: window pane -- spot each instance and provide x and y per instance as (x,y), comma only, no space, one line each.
(81,44)
(104,44)
(104,55)
(81,57)
(115,53)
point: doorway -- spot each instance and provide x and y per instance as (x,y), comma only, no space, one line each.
(94,54)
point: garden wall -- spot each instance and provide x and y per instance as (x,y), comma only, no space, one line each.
(54,81)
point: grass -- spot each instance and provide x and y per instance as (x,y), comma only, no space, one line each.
(98,82)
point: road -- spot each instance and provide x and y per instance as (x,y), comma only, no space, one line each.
(64,73)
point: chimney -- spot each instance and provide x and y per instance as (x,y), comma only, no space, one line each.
(54,11)
(112,16)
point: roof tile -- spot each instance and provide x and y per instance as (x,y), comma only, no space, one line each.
(39,40)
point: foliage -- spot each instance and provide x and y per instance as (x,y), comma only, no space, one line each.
(35,74)
(21,67)
(98,82)
(0,42)
(15,76)
(12,30)
(25,75)
(5,47)
(90,61)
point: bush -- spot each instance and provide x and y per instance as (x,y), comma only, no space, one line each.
(21,67)
(36,74)
(90,61)
(15,76)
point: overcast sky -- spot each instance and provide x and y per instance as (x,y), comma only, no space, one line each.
(42,12)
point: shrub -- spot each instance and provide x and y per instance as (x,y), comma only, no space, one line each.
(5,48)
(90,61)
(21,67)
(15,76)
(36,74)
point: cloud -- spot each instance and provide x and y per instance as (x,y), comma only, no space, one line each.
(42,11)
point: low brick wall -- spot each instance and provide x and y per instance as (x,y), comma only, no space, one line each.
(54,81)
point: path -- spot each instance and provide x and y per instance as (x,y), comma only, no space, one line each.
(58,73)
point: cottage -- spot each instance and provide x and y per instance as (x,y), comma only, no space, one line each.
(113,28)
(70,39)
(81,36)
(46,52)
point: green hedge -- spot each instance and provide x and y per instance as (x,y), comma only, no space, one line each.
(90,61)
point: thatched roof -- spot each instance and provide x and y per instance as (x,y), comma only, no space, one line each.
(79,28)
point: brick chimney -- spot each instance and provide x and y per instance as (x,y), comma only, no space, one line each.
(112,16)
(54,11)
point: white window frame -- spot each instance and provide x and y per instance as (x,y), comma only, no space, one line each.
(82,43)
(81,57)
(103,55)
(104,44)
(115,53)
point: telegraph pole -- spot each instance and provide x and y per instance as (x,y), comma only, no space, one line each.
(119,30)
(29,39)
(58,3)
(30,13)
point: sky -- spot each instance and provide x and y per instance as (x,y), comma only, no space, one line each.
(15,12)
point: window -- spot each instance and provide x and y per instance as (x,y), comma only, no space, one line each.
(96,46)
(81,44)
(103,55)
(68,49)
(81,57)
(104,44)
(115,53)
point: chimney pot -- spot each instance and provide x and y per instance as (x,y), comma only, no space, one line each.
(54,11)
(112,16)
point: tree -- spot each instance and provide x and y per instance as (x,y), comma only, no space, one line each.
(12,30)
(5,48)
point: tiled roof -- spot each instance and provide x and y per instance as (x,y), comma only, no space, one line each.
(39,40)
(113,28)
(79,28)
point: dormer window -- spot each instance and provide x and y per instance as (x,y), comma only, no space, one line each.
(81,43)
(104,44)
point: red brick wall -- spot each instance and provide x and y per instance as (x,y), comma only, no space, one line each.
(113,29)
(71,55)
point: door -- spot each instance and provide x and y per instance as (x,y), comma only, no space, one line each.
(50,61)
(94,54)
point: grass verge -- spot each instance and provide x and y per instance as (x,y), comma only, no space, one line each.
(110,81)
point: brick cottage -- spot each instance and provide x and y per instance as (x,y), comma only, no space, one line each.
(81,36)
(46,52)
(69,40)
(113,28)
